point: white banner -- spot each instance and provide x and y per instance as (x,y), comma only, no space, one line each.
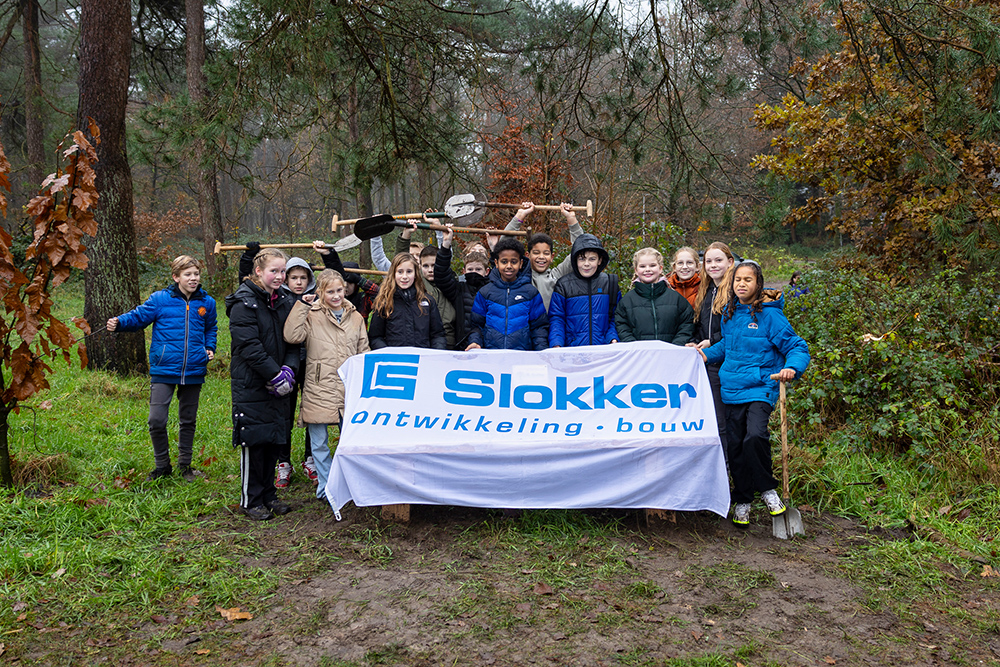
(624,425)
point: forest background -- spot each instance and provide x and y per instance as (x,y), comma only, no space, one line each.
(857,139)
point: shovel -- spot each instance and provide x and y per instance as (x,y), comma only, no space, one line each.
(461,206)
(337,222)
(788,523)
(369,228)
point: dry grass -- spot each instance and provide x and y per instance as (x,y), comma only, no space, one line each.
(39,470)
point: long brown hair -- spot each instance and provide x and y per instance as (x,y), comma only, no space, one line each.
(725,286)
(386,293)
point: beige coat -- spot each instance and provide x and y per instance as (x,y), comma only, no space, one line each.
(328,345)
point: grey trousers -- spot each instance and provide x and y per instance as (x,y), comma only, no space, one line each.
(160,396)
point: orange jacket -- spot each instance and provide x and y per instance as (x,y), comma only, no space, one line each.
(686,288)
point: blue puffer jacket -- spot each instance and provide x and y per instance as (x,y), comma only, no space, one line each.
(582,310)
(753,347)
(182,330)
(509,316)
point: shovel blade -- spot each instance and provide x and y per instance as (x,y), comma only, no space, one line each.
(347,243)
(788,524)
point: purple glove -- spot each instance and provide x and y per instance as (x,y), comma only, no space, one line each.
(283,383)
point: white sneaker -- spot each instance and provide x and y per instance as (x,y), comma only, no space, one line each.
(309,468)
(284,475)
(741,514)
(773,502)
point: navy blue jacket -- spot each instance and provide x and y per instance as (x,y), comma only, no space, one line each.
(182,330)
(753,347)
(509,316)
(582,310)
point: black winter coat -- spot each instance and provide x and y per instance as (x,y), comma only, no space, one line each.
(256,326)
(709,325)
(654,312)
(453,290)
(407,326)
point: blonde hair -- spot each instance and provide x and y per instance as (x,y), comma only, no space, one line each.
(182,262)
(262,259)
(725,286)
(326,278)
(387,291)
(688,249)
(646,251)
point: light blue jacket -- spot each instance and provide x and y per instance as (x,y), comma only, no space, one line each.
(754,346)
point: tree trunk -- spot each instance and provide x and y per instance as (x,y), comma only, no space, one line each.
(6,478)
(362,184)
(33,116)
(111,283)
(202,164)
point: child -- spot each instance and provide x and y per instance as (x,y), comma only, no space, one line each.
(332,331)
(261,379)
(299,282)
(404,315)
(795,286)
(714,290)
(425,259)
(651,310)
(477,262)
(757,342)
(184,334)
(540,254)
(582,309)
(684,277)
(360,291)
(508,312)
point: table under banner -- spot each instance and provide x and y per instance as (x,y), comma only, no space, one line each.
(630,425)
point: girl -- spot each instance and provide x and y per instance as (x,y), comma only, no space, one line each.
(684,277)
(261,380)
(403,314)
(332,330)
(757,342)
(714,291)
(651,310)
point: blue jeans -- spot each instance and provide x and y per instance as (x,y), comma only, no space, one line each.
(322,456)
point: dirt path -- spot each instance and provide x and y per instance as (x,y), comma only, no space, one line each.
(451,589)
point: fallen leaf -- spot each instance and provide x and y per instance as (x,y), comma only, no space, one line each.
(3,647)
(203,651)
(522,607)
(21,617)
(45,405)
(19,606)
(58,573)
(964,514)
(944,510)
(157,618)
(234,614)
(830,661)
(192,601)
(988,571)
(542,588)
(696,635)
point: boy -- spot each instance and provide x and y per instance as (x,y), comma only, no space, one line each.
(582,310)
(477,262)
(508,312)
(540,253)
(184,335)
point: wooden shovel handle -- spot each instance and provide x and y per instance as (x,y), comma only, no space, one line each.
(474,230)
(784,434)
(402,216)
(225,248)
(588,209)
(364,272)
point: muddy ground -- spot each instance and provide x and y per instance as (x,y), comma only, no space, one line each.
(460,586)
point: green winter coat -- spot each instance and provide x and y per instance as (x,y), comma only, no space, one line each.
(654,312)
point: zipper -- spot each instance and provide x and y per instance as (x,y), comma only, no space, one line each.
(656,324)
(590,309)
(187,326)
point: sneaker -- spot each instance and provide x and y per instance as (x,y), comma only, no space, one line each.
(741,514)
(278,507)
(258,513)
(190,474)
(773,502)
(159,473)
(309,468)
(284,475)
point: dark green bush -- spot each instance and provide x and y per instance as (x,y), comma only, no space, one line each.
(904,365)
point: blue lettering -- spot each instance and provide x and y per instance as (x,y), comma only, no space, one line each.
(696,426)
(564,398)
(649,396)
(624,426)
(675,393)
(505,427)
(482,424)
(505,390)
(359,417)
(424,422)
(573,429)
(477,395)
(611,395)
(461,423)
(384,416)
(544,393)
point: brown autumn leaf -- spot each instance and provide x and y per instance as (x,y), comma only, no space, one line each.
(203,651)
(988,571)
(158,618)
(542,588)
(192,601)
(234,614)
(829,660)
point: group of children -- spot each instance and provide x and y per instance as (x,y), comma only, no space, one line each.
(291,331)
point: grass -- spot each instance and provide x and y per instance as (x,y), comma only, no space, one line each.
(86,531)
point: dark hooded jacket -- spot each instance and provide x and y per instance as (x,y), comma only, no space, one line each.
(654,312)
(709,324)
(411,324)
(582,310)
(258,350)
(509,316)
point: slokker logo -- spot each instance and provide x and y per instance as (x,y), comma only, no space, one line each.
(390,376)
